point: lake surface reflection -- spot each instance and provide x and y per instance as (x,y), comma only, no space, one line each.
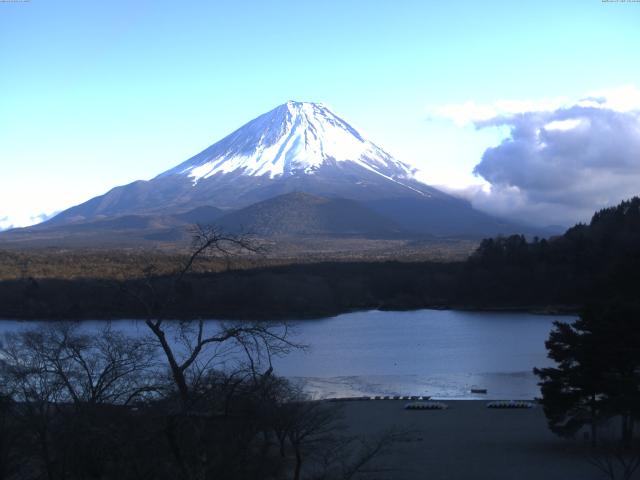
(442,353)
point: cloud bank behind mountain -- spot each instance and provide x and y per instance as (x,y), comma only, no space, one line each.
(8,222)
(558,163)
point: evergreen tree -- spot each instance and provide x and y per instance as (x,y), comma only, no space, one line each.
(597,376)
(572,392)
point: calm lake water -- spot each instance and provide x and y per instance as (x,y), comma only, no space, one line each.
(442,353)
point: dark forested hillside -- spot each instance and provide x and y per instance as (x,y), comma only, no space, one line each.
(594,262)
(600,260)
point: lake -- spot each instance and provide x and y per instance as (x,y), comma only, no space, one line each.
(442,353)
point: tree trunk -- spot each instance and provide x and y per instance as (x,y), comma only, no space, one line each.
(176,371)
(296,474)
(594,424)
(44,445)
(174,447)
(626,430)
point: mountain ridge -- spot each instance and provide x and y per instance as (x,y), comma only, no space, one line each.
(296,147)
(303,214)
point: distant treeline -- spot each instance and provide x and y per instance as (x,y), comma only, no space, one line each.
(598,261)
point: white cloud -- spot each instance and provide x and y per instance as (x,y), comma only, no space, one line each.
(560,161)
(624,98)
(25,220)
(471,112)
(563,125)
(589,159)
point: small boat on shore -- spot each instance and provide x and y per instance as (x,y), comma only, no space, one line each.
(510,404)
(426,406)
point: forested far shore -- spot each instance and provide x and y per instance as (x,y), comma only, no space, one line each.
(589,263)
(296,291)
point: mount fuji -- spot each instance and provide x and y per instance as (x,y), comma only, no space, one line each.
(293,139)
(296,148)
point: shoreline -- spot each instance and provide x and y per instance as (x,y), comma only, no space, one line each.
(520,385)
(545,310)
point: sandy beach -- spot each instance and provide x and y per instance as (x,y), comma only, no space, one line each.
(470,441)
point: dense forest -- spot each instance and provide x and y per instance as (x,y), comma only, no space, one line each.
(590,262)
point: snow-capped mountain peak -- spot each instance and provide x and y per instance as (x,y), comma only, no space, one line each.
(276,168)
(292,139)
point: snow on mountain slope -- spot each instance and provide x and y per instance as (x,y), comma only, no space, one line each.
(298,147)
(294,138)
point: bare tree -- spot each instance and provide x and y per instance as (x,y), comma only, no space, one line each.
(209,361)
(311,426)
(66,384)
(9,435)
(192,347)
(108,367)
(38,391)
(616,462)
(314,433)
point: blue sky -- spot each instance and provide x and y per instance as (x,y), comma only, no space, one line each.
(98,94)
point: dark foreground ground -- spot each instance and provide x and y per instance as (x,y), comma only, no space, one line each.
(470,441)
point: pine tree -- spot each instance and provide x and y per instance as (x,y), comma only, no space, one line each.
(597,376)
